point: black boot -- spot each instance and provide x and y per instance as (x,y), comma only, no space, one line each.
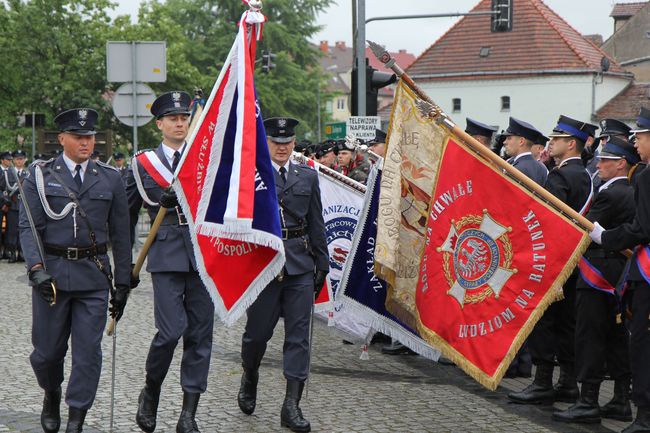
(540,391)
(76,419)
(51,413)
(619,406)
(291,415)
(247,397)
(148,408)
(566,388)
(586,410)
(186,422)
(12,256)
(642,422)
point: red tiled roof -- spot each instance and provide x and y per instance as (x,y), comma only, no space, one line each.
(403,58)
(626,10)
(540,41)
(627,104)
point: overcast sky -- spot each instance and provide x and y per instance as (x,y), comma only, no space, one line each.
(587,16)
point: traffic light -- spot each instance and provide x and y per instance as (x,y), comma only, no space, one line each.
(267,61)
(375,80)
(502,20)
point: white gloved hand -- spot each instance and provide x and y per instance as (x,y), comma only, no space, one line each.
(597,233)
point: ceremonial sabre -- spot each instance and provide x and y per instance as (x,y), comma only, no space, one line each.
(110,427)
(32,226)
(311,336)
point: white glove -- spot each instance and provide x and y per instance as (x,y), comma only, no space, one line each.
(597,233)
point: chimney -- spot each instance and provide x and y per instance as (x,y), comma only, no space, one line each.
(324,47)
(402,51)
(340,45)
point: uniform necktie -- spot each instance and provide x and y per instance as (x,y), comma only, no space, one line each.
(283,175)
(177,158)
(77,175)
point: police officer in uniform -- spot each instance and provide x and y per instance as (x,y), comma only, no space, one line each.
(11,177)
(636,298)
(520,138)
(182,304)
(378,144)
(84,207)
(553,335)
(5,200)
(120,165)
(292,293)
(601,339)
(350,162)
(480,131)
(325,154)
(608,128)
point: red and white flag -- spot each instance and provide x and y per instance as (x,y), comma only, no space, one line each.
(226,187)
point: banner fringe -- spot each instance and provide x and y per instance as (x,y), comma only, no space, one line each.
(382,324)
(492,382)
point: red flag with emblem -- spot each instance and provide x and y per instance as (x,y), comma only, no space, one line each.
(495,258)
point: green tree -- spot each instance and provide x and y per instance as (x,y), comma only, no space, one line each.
(54,56)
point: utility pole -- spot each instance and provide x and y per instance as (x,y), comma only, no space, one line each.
(502,12)
(361,57)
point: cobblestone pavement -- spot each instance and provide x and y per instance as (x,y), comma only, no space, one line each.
(346,394)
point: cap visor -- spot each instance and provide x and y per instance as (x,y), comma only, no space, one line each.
(80,132)
(281,140)
(559,134)
(607,155)
(634,131)
(185,111)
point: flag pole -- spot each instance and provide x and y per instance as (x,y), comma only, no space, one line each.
(428,107)
(157,222)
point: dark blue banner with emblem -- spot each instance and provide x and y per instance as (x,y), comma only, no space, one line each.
(361,292)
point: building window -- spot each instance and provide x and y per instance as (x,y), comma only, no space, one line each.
(505,103)
(328,107)
(484,52)
(340,104)
(647,35)
(456,105)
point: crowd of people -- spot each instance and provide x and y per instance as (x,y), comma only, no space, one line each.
(601,327)
(73,205)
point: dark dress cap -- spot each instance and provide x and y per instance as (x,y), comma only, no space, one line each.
(281,129)
(618,148)
(302,145)
(19,154)
(380,137)
(522,129)
(610,127)
(118,155)
(326,147)
(170,103)
(541,139)
(642,121)
(477,128)
(5,155)
(78,121)
(568,127)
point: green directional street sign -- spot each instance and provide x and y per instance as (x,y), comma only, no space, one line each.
(335,130)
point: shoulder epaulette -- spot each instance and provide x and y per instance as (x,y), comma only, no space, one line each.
(103,164)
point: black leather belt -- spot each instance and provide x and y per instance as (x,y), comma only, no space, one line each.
(291,233)
(74,253)
(174,218)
